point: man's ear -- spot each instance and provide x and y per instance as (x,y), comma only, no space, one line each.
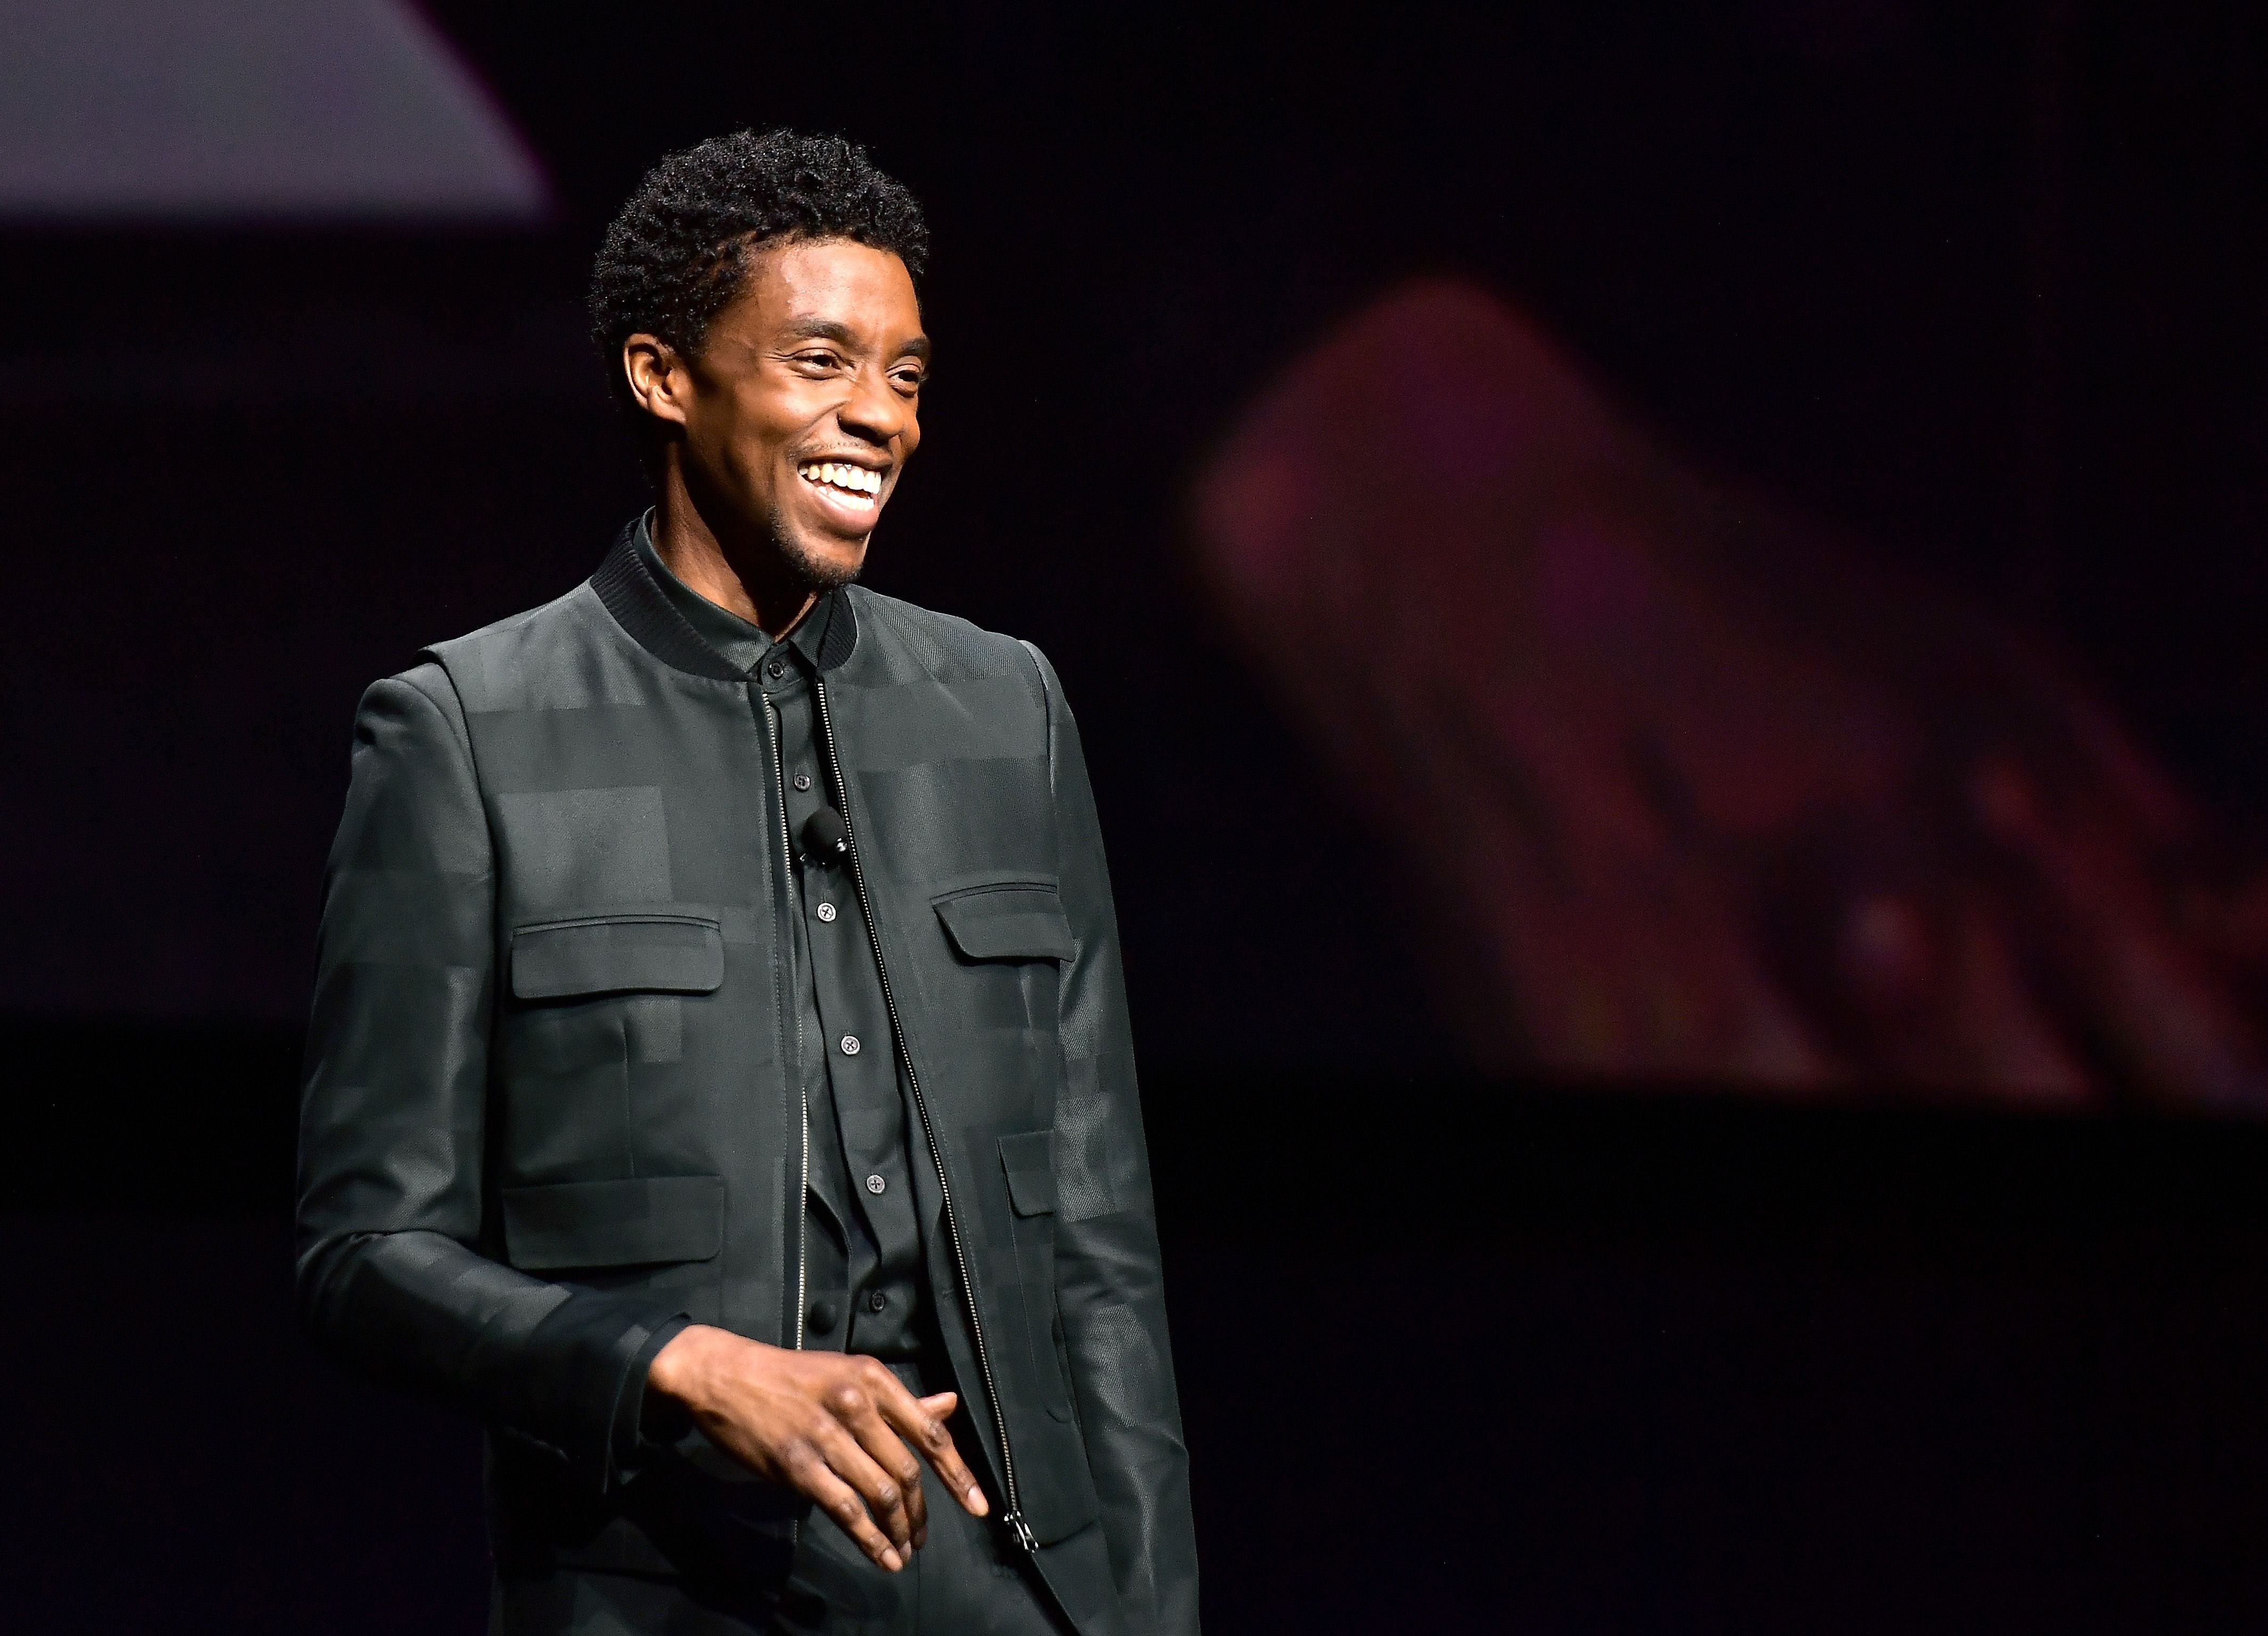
(657,377)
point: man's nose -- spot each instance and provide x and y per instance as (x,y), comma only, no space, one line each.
(874,410)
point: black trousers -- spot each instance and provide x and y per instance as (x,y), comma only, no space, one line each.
(969,1580)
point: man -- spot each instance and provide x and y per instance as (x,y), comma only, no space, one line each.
(719,1076)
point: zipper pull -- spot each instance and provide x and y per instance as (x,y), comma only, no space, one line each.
(1022,1530)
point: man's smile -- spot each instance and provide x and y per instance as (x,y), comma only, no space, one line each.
(853,488)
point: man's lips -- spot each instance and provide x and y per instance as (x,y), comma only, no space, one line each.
(850,487)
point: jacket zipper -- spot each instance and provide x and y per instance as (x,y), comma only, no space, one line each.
(802,1080)
(1015,1518)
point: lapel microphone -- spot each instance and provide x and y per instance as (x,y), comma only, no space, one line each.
(826,837)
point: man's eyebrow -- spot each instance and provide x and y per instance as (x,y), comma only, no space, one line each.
(842,335)
(820,329)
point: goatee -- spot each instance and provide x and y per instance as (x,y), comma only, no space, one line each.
(817,575)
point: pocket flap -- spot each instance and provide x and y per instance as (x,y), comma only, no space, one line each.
(1029,1159)
(1008,923)
(615,1224)
(610,953)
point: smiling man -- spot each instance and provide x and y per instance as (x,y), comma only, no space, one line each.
(720,1077)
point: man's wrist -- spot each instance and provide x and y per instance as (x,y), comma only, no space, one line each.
(670,1375)
(682,1373)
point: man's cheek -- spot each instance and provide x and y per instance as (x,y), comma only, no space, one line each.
(752,471)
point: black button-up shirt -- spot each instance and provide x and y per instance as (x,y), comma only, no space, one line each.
(865,1288)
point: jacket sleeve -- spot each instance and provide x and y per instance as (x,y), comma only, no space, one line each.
(393,1113)
(1109,1286)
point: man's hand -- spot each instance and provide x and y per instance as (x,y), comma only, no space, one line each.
(825,1425)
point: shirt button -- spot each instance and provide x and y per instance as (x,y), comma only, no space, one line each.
(776,670)
(826,911)
(876,1302)
(850,1045)
(821,1318)
(875,1184)
(803,781)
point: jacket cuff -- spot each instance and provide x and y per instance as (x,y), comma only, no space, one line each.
(594,1351)
(643,1427)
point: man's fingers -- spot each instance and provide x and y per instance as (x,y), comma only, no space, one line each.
(922,1423)
(882,1446)
(816,1477)
(869,1404)
(885,1496)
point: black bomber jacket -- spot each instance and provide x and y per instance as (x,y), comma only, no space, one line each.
(551,1109)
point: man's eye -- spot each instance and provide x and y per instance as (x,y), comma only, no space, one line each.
(910,380)
(818,360)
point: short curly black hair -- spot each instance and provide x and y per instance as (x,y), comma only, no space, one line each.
(674,254)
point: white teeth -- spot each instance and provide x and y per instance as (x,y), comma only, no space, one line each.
(853,484)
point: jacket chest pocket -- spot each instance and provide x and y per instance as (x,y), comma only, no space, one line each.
(593,954)
(1010,938)
(596,1026)
(1000,993)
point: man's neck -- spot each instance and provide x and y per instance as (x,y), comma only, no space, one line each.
(750,579)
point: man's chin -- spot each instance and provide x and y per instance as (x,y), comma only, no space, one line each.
(824,568)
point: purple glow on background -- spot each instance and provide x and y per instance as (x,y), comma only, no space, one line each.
(1714,796)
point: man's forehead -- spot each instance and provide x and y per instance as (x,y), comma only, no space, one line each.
(835,289)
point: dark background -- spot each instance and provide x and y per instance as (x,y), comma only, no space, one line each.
(1978,284)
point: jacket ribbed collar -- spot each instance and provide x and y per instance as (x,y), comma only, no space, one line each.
(627,586)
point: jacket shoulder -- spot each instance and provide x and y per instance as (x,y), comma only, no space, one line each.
(562,655)
(424,691)
(905,642)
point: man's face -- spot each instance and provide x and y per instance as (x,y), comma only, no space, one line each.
(801,410)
